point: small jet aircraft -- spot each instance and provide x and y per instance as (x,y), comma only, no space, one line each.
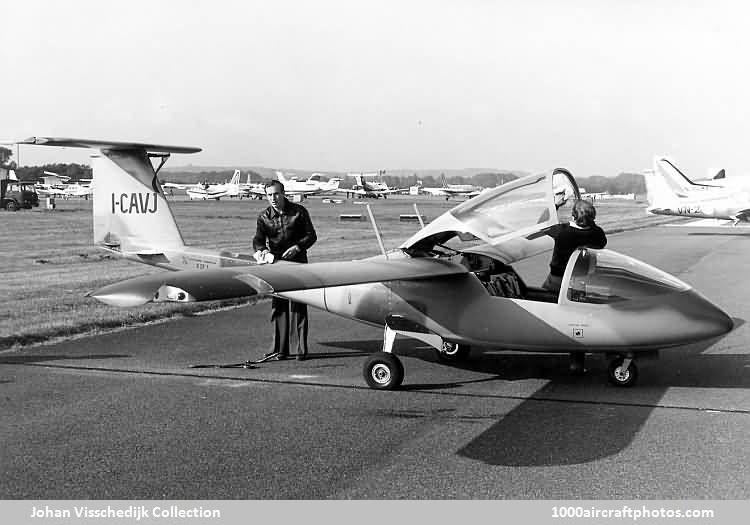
(451,285)
(670,192)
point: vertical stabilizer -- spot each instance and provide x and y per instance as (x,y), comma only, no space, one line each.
(661,190)
(131,213)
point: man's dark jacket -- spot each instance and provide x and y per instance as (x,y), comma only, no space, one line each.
(277,232)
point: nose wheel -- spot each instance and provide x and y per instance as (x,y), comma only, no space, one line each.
(622,371)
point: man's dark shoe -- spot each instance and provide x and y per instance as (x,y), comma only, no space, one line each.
(301,357)
(281,357)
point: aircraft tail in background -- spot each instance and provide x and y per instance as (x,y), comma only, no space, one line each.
(662,191)
(666,196)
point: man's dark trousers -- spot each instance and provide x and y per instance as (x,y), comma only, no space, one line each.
(280,309)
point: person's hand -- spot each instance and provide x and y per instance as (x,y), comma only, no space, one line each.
(291,252)
(260,256)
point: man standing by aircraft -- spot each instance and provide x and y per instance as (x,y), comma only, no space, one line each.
(284,231)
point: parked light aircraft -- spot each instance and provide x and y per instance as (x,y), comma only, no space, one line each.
(328,187)
(292,187)
(368,188)
(234,188)
(205,190)
(610,303)
(52,184)
(76,189)
(670,192)
(451,190)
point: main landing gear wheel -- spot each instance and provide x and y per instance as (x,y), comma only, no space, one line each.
(618,376)
(453,352)
(383,371)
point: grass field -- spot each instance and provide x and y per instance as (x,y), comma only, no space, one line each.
(49,263)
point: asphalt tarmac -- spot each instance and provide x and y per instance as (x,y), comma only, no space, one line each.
(154,413)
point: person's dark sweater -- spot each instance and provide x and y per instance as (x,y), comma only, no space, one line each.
(568,237)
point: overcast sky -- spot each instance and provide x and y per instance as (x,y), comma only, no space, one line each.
(597,86)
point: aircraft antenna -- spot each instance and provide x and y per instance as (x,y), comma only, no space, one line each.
(419,215)
(377,232)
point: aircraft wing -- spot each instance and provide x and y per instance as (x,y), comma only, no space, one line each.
(245,281)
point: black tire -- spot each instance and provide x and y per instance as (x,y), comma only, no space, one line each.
(383,371)
(617,377)
(11,206)
(453,352)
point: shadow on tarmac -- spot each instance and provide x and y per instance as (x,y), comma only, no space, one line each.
(30,359)
(593,429)
(601,423)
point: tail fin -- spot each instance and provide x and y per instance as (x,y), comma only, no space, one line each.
(236,177)
(720,175)
(661,190)
(131,212)
(669,169)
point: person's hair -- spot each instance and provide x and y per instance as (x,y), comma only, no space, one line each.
(276,183)
(584,213)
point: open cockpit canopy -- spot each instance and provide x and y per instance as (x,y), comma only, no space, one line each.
(506,222)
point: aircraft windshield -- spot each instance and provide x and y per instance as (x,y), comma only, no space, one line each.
(496,214)
(602,276)
(506,218)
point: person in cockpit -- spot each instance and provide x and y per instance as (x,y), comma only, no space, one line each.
(582,231)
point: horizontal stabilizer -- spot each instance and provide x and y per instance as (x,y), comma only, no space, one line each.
(105,144)
(235,282)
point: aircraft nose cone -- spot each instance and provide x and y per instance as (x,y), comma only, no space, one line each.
(706,319)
